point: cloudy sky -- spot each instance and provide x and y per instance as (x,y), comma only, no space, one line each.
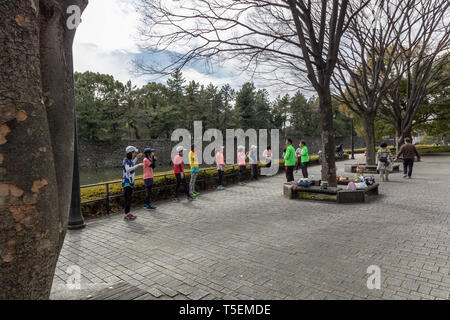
(106,42)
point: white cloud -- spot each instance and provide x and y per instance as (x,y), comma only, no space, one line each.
(110,25)
(106,42)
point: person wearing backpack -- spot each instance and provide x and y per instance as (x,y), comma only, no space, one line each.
(384,160)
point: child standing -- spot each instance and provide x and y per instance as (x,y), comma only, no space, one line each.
(220,162)
(149,164)
(178,169)
(193,161)
(241,162)
(129,167)
(384,159)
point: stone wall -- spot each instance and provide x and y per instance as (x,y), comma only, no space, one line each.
(103,155)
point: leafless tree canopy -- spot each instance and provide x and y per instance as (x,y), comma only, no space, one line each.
(260,36)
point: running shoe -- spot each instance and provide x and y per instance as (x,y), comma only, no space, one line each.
(176,200)
(150,207)
(190,198)
(129,217)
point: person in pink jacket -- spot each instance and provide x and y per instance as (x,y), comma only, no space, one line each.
(241,162)
(149,164)
(220,162)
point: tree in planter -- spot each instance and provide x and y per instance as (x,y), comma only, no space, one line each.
(426,48)
(370,49)
(36,142)
(293,42)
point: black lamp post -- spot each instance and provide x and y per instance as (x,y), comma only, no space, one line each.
(353,142)
(76,220)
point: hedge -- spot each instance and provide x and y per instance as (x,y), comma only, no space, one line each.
(162,187)
(421,148)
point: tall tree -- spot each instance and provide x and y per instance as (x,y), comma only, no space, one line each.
(245,107)
(305,116)
(36,122)
(370,49)
(425,51)
(288,40)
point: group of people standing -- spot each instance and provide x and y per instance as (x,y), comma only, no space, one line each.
(149,163)
(293,159)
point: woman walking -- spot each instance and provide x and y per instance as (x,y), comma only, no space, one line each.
(384,160)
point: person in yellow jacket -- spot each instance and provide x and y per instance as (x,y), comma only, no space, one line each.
(193,161)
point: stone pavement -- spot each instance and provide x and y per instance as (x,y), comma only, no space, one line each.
(248,242)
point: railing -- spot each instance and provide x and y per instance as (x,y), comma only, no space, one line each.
(234,172)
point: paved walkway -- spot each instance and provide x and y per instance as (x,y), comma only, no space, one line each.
(251,243)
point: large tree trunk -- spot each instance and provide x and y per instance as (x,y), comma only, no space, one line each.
(368,121)
(36,142)
(328,143)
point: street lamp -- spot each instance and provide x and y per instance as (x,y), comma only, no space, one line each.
(353,142)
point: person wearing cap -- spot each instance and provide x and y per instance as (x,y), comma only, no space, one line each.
(193,161)
(178,169)
(220,162)
(241,162)
(253,159)
(129,167)
(149,164)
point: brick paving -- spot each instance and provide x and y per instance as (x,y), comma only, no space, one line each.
(248,242)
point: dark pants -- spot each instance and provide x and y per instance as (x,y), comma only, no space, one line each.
(305,169)
(220,175)
(148,189)
(241,173)
(181,181)
(268,164)
(289,173)
(127,192)
(299,162)
(408,166)
(254,168)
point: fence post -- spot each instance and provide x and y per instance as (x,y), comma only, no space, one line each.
(107,199)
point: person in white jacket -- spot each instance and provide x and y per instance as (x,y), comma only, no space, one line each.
(128,177)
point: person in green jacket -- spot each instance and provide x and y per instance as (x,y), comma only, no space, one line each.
(304,158)
(289,160)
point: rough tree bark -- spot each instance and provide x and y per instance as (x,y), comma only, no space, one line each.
(369,126)
(36,142)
